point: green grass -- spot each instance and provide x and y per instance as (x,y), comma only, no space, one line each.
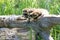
(8,7)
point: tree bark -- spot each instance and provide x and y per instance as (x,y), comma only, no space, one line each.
(41,26)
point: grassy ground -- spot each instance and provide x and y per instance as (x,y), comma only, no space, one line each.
(8,7)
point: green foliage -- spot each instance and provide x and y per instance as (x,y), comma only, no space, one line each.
(15,6)
(8,7)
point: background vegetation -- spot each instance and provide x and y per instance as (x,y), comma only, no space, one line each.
(8,7)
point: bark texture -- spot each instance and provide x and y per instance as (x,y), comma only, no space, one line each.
(41,26)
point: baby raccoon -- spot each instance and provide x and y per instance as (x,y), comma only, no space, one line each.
(33,13)
(26,13)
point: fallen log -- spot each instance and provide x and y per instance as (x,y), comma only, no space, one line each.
(41,26)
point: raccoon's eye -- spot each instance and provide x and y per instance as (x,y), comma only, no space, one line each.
(31,15)
(25,14)
(30,11)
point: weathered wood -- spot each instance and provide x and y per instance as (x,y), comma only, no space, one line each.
(18,21)
(41,26)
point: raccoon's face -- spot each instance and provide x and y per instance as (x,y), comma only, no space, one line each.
(31,13)
(26,12)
